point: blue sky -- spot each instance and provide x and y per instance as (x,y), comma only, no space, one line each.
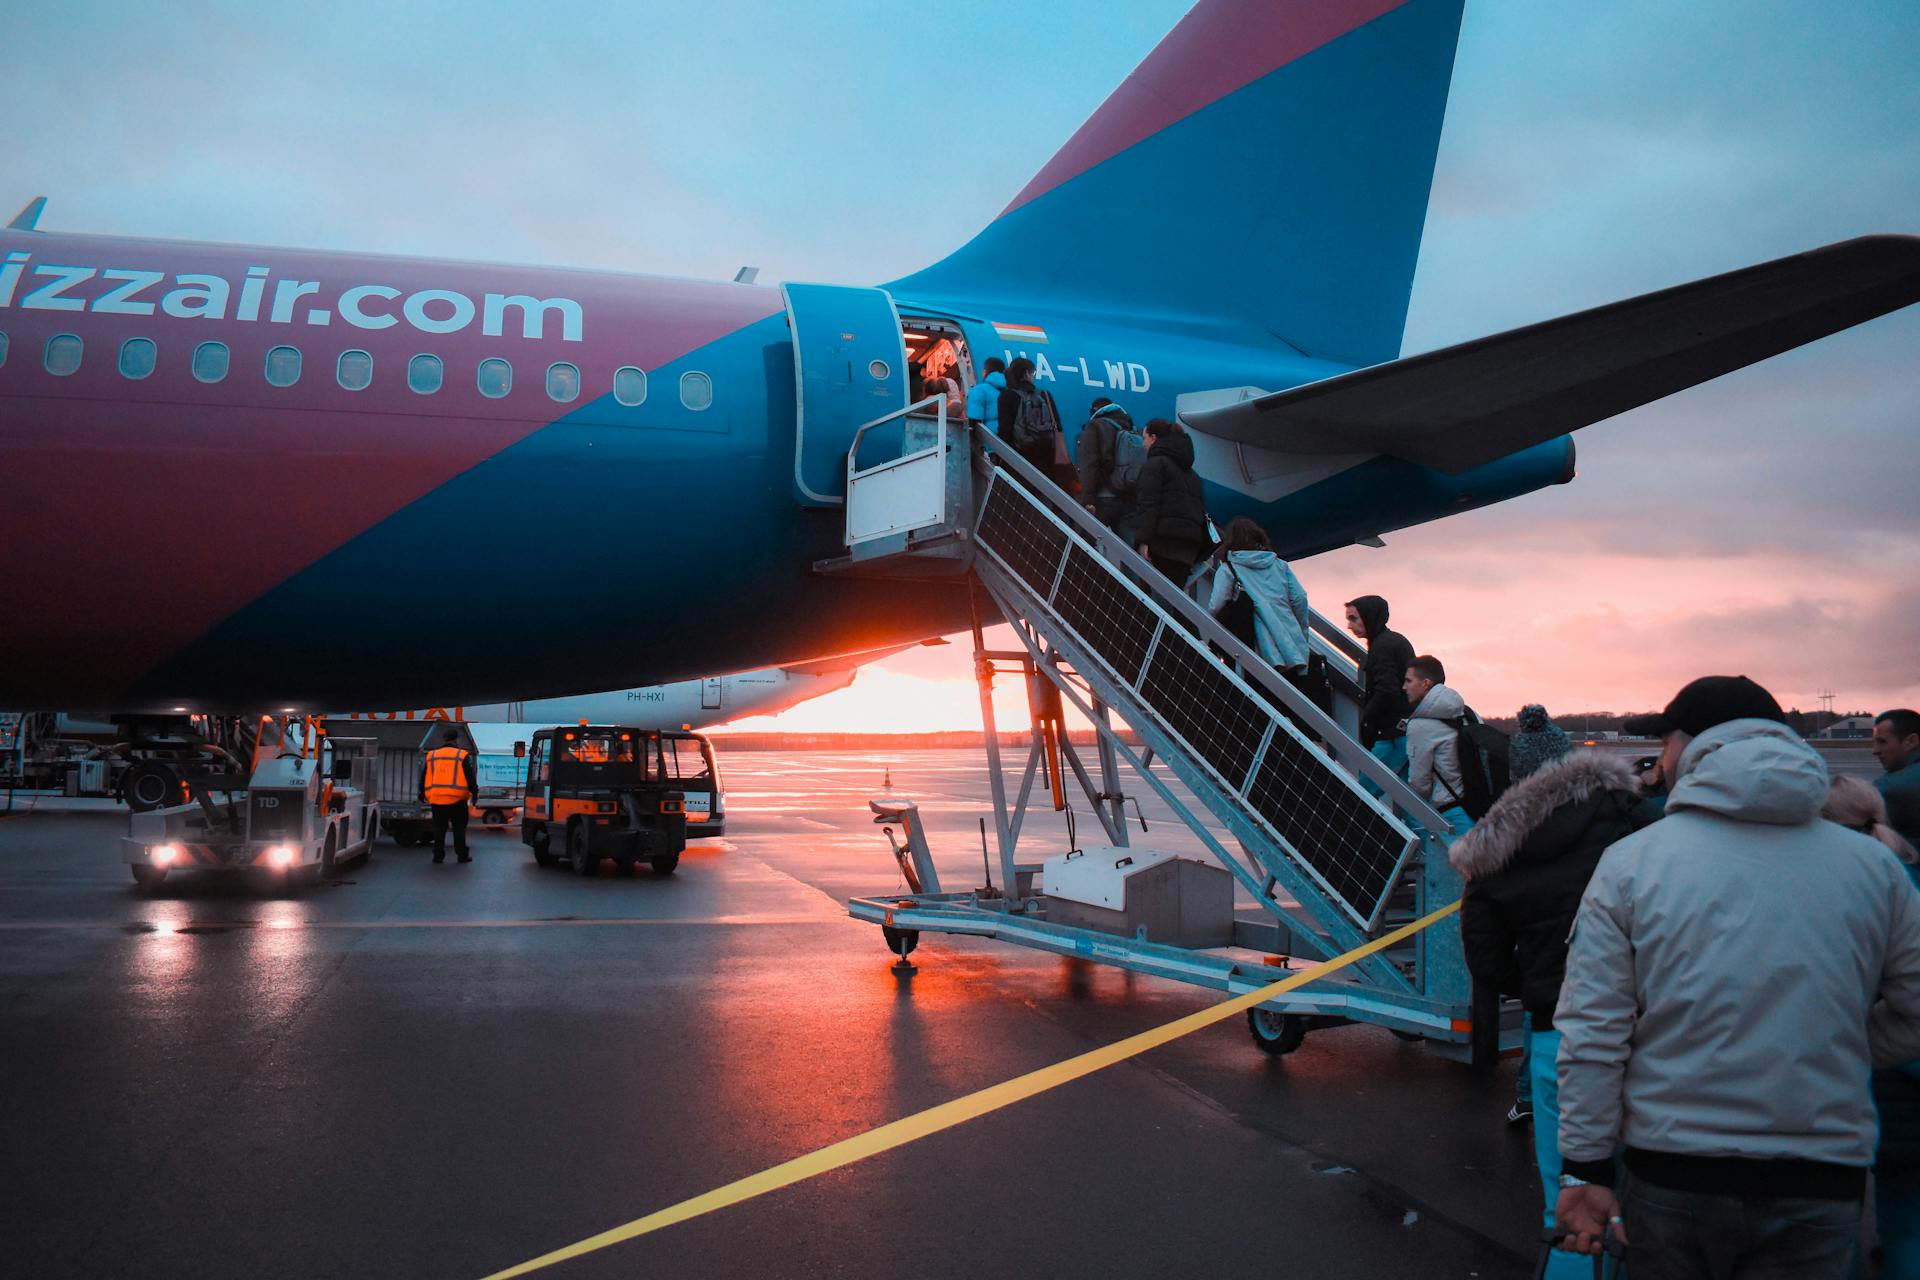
(1765,522)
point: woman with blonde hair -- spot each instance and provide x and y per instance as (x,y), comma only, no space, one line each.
(1896,1091)
(1859,806)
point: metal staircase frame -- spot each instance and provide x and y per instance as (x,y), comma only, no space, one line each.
(1421,987)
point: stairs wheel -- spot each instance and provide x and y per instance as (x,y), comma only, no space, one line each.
(1276,1033)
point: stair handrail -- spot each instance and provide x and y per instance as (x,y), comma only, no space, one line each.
(1252,668)
(853,450)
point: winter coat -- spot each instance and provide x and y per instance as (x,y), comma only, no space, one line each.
(1896,1096)
(1901,790)
(1383,702)
(1433,748)
(1280,612)
(1528,861)
(1096,450)
(1170,507)
(983,402)
(1736,969)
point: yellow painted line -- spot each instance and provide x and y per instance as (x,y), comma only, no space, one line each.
(948,1114)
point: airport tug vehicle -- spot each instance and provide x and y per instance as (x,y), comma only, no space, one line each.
(298,816)
(603,791)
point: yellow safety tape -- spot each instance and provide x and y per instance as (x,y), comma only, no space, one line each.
(948,1114)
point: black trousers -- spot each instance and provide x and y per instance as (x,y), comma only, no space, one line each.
(450,815)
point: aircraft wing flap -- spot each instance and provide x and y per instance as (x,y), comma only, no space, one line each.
(1466,405)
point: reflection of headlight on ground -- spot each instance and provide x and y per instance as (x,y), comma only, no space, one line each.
(281,855)
(161,854)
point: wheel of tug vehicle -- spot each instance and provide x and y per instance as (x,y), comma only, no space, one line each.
(1276,1033)
(147,877)
(900,941)
(1411,1037)
(542,845)
(664,866)
(150,784)
(579,851)
(494,817)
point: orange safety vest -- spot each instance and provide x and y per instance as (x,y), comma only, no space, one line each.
(446,776)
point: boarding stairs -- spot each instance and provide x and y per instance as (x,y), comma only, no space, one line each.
(1330,865)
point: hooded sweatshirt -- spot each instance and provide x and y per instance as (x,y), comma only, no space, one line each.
(983,402)
(1736,969)
(1383,705)
(1170,508)
(1433,747)
(1280,613)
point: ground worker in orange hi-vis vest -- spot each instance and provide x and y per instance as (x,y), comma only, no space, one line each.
(447,782)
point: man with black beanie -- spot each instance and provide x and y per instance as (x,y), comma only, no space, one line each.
(1736,970)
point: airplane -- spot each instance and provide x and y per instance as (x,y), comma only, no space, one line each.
(684,704)
(257,437)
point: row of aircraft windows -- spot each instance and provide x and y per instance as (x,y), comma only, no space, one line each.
(354,371)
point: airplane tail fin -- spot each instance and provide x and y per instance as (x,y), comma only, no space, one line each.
(1267,166)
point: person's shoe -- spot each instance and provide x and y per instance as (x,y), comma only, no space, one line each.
(466,857)
(1521,1112)
(439,857)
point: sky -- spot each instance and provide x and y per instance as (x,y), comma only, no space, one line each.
(1763,523)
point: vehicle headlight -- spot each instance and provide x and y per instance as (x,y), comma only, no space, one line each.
(162,854)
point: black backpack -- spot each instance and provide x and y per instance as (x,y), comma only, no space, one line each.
(1484,770)
(1237,615)
(1034,423)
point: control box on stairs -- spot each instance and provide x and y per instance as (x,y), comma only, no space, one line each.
(1182,902)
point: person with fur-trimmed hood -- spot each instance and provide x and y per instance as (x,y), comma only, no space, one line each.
(1526,863)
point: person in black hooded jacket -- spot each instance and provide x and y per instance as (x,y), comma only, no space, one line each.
(1527,863)
(1383,699)
(1170,507)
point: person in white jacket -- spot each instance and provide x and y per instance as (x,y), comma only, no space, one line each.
(1433,741)
(1736,971)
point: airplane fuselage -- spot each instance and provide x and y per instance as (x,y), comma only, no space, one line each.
(244,477)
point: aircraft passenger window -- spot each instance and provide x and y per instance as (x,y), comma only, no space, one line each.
(283,366)
(630,386)
(563,382)
(354,370)
(424,374)
(495,378)
(136,358)
(210,362)
(3,348)
(696,390)
(63,354)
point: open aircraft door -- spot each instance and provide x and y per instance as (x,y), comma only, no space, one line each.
(849,365)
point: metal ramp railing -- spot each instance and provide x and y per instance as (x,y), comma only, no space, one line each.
(1289,782)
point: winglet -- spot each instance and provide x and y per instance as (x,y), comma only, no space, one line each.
(27,217)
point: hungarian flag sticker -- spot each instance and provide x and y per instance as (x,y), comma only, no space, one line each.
(1020,333)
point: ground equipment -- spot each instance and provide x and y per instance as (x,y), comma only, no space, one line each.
(1334,850)
(603,791)
(299,816)
(401,746)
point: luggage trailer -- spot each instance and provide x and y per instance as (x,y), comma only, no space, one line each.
(1326,874)
(298,818)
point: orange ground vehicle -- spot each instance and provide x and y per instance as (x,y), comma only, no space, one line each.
(605,791)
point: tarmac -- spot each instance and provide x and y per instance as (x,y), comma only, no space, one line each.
(430,1071)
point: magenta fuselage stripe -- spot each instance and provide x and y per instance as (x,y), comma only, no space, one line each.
(1220,47)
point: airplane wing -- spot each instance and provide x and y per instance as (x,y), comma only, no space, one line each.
(1462,406)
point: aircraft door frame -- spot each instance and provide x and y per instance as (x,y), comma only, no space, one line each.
(711,695)
(841,335)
